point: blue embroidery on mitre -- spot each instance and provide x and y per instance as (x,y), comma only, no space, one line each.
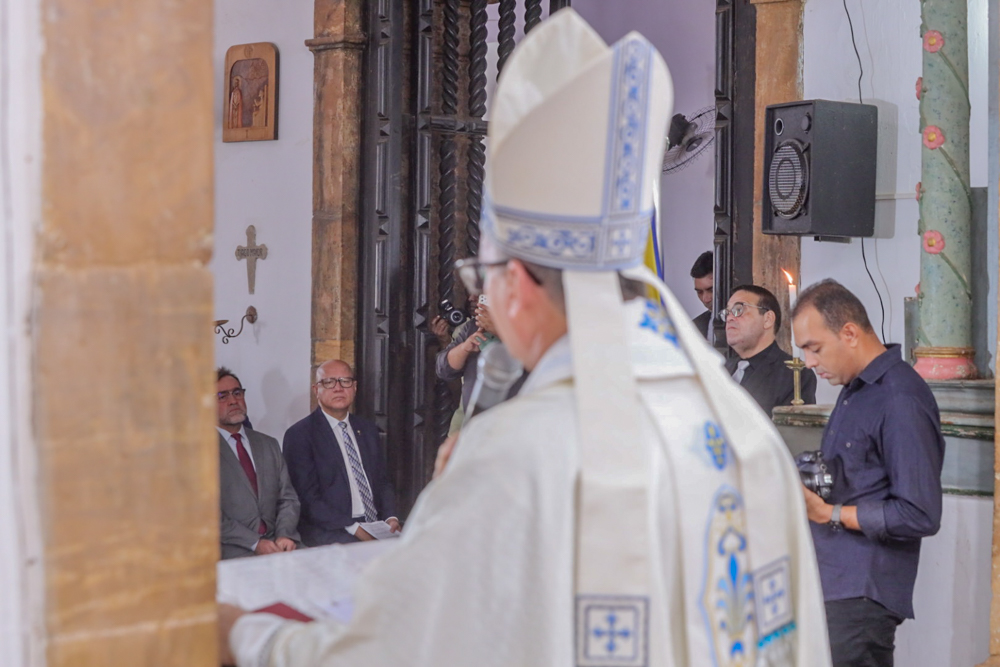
(616,237)
(715,443)
(728,595)
(633,58)
(612,631)
(656,320)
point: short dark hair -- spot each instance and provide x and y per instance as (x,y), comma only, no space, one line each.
(835,303)
(223,372)
(703,265)
(766,300)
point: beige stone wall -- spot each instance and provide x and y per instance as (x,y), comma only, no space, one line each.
(779,79)
(123,390)
(337,45)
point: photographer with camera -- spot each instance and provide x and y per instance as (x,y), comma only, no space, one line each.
(883,452)
(460,357)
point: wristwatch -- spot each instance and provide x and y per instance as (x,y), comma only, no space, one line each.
(835,517)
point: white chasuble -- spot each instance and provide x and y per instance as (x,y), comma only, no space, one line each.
(484,572)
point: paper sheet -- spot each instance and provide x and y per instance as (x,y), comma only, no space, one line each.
(319,581)
(380,530)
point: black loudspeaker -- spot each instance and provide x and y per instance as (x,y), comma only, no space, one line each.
(819,169)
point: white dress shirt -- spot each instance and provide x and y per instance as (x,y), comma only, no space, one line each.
(357,505)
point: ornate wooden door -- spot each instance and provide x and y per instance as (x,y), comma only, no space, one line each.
(426,74)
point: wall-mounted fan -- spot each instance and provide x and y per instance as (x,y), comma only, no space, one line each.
(688,138)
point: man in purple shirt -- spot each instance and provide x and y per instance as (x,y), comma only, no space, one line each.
(884,447)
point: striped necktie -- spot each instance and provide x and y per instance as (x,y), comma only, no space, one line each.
(359,474)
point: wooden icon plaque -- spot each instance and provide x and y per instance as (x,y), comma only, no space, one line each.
(250,101)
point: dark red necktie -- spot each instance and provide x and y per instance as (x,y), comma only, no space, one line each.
(248,469)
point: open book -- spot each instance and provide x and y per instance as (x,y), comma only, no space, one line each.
(318,582)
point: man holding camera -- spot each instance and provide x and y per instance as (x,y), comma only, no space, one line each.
(884,449)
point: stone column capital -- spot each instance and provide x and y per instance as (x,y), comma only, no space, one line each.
(353,42)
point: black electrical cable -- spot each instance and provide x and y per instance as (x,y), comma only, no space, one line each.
(861,73)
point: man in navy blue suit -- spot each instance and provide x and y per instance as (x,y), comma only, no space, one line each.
(336,464)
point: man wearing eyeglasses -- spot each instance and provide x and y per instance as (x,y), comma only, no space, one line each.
(752,319)
(259,506)
(337,465)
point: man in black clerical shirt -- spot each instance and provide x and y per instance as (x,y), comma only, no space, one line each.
(752,318)
(701,272)
(884,447)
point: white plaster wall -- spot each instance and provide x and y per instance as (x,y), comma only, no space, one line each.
(684,33)
(267,184)
(952,593)
(951,599)
(21,582)
(889,42)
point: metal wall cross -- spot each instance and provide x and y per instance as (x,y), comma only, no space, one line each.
(251,252)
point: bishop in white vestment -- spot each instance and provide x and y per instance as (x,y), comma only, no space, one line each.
(631,506)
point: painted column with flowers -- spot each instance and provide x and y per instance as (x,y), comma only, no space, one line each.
(944,336)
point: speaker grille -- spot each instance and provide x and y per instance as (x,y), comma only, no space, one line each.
(788,179)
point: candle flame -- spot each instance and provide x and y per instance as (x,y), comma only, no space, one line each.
(791,281)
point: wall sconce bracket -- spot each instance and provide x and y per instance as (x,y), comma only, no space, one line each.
(250,316)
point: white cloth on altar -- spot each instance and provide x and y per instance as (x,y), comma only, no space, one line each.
(483,574)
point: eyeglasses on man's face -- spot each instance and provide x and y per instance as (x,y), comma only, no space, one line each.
(472,273)
(235,393)
(738,309)
(330,383)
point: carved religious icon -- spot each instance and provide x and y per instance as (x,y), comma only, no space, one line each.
(250,105)
(251,252)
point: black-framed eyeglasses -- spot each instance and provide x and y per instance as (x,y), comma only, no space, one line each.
(472,273)
(738,309)
(330,383)
(235,393)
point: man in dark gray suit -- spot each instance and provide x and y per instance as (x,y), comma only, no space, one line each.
(259,507)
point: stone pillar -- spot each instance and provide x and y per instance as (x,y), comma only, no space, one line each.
(944,332)
(337,111)
(123,388)
(994,659)
(779,79)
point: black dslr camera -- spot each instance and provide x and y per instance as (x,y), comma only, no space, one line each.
(815,473)
(454,316)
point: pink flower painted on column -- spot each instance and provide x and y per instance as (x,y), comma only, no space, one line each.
(920,86)
(916,290)
(933,137)
(919,190)
(933,41)
(933,242)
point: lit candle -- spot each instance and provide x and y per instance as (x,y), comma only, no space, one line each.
(793,290)
(793,295)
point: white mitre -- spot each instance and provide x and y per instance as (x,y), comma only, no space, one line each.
(577,132)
